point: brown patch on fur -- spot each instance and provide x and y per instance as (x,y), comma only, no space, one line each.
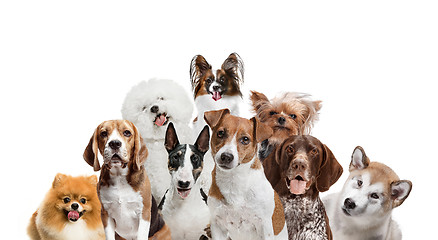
(163,234)
(214,189)
(278,220)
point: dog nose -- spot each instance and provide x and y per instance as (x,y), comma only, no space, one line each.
(299,165)
(227,157)
(75,206)
(182,184)
(155,109)
(216,88)
(349,204)
(115,144)
(281,120)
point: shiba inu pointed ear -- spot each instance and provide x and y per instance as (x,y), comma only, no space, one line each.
(359,159)
(329,172)
(171,139)
(212,118)
(203,140)
(400,190)
(91,151)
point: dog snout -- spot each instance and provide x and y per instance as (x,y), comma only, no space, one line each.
(115,144)
(226,158)
(155,109)
(281,120)
(349,204)
(183,184)
(299,165)
(75,206)
(216,88)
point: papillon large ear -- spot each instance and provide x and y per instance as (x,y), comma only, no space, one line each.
(140,149)
(198,67)
(359,159)
(171,139)
(91,151)
(261,130)
(330,170)
(212,118)
(259,101)
(400,190)
(203,140)
(234,67)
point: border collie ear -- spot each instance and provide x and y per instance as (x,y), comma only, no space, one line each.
(59,178)
(258,101)
(359,159)
(212,118)
(203,140)
(329,172)
(171,139)
(140,149)
(91,151)
(400,190)
(234,66)
(198,67)
(261,130)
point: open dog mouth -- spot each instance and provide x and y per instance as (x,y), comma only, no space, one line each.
(117,160)
(184,192)
(161,119)
(216,95)
(297,185)
(73,215)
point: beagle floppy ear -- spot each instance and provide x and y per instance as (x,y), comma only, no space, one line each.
(171,139)
(212,118)
(91,151)
(261,130)
(140,149)
(203,140)
(400,190)
(59,178)
(330,170)
(259,100)
(359,159)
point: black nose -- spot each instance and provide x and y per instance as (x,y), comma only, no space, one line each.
(75,206)
(216,88)
(182,184)
(281,120)
(155,109)
(115,144)
(349,204)
(226,158)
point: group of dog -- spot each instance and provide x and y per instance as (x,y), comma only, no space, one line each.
(255,178)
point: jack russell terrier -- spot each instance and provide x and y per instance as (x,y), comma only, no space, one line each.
(242,203)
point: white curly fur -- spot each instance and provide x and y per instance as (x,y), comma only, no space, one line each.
(172,99)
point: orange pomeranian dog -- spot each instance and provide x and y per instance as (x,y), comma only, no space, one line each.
(70,210)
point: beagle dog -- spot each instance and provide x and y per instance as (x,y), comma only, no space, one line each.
(128,209)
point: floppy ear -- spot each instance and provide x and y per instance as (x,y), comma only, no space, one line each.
(91,151)
(400,190)
(59,178)
(212,118)
(198,67)
(140,149)
(261,130)
(311,115)
(171,139)
(359,159)
(258,100)
(279,151)
(202,142)
(330,170)
(234,67)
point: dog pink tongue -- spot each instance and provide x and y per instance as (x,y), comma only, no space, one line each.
(73,215)
(216,96)
(184,194)
(297,187)
(160,120)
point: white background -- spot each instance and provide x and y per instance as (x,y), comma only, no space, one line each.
(67,66)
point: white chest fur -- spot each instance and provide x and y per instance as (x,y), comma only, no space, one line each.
(78,231)
(124,206)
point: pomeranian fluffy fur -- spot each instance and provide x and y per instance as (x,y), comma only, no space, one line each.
(54,220)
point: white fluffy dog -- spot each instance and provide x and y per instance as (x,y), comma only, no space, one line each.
(151,105)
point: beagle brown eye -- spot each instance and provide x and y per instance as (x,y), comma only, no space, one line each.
(66,200)
(245,140)
(374,195)
(83,200)
(220,134)
(293,116)
(104,134)
(272,113)
(127,133)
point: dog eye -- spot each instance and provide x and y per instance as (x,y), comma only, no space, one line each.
(66,200)
(359,183)
(290,150)
(83,200)
(374,195)
(222,79)
(104,134)
(293,116)
(195,161)
(127,133)
(314,151)
(244,140)
(209,80)
(272,113)
(220,134)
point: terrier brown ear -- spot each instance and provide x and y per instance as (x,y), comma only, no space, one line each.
(91,151)
(261,130)
(212,118)
(258,100)
(171,139)
(330,170)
